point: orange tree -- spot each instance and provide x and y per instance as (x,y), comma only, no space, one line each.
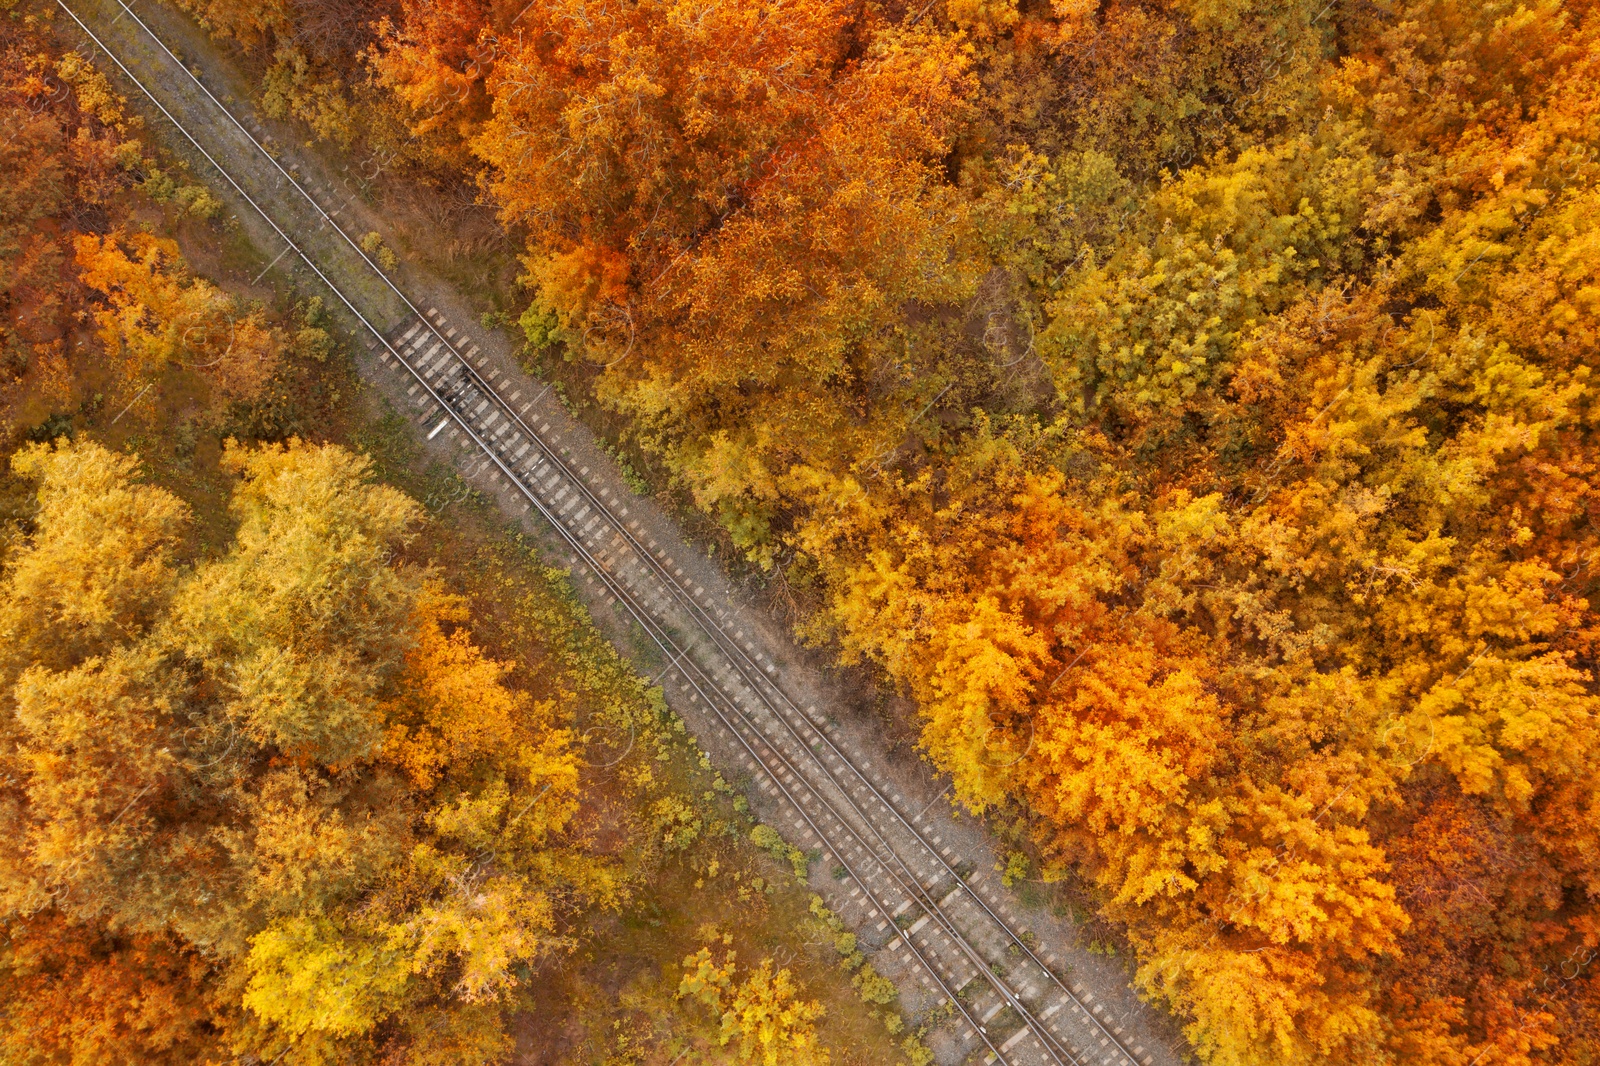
(1188,404)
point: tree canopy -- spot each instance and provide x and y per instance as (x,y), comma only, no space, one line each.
(1189,406)
(277,796)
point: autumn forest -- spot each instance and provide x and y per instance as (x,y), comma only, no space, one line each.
(1186,408)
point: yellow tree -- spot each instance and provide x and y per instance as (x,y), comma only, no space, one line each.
(290,760)
(764,1013)
(158,315)
(100,568)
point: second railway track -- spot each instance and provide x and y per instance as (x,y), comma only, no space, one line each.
(932,924)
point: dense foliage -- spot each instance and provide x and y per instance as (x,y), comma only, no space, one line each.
(267,795)
(72,253)
(1189,404)
(283,778)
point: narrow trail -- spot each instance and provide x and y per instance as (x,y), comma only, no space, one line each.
(894,863)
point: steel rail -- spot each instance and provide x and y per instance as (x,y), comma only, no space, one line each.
(749,672)
(908,880)
(682,660)
(754,677)
(709,625)
(659,636)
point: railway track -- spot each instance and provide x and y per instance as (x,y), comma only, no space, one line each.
(927,919)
